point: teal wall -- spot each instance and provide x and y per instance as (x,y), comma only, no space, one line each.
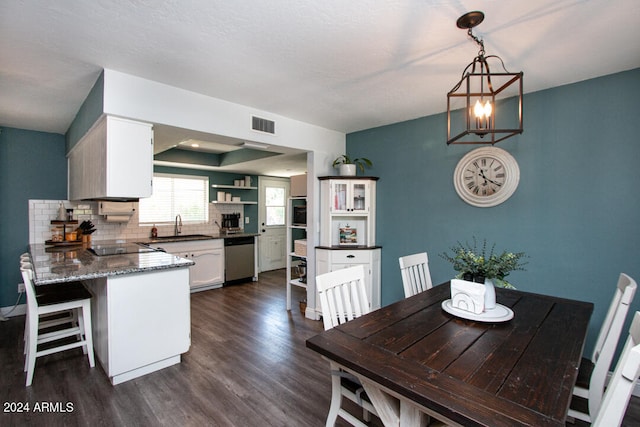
(575,213)
(90,110)
(32,166)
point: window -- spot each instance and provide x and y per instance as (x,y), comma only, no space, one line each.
(275,205)
(184,195)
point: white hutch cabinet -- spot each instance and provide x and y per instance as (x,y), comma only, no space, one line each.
(347,230)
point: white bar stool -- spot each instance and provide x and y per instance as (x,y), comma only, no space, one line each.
(53,302)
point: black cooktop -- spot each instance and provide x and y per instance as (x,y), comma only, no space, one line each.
(119,249)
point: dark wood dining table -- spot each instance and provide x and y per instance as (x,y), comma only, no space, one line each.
(415,358)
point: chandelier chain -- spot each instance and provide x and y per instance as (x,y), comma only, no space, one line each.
(477,40)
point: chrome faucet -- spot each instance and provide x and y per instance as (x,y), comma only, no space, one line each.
(178,227)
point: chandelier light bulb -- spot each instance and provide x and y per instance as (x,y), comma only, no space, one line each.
(482,114)
(478,110)
(487,109)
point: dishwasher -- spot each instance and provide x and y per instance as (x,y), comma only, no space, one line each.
(239,259)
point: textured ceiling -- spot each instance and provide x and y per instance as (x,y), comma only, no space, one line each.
(342,65)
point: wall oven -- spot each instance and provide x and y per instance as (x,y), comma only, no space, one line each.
(300,215)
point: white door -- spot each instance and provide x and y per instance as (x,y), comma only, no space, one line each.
(272,219)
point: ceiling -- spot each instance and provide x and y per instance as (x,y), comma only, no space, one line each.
(342,65)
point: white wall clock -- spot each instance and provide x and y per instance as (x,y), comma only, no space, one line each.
(486,176)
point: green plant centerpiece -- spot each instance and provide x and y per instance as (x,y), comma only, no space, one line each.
(476,265)
(348,165)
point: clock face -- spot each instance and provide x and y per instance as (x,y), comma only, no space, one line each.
(486,176)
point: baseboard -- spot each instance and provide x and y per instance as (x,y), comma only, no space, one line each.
(18,310)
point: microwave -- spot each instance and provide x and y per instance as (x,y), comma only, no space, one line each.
(300,215)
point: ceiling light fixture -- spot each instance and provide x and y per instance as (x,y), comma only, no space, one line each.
(254,145)
(483,107)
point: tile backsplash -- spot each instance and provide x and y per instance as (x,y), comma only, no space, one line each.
(42,212)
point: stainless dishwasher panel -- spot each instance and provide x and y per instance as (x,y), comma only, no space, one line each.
(239,258)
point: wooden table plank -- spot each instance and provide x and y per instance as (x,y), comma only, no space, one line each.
(406,332)
(379,320)
(506,343)
(538,371)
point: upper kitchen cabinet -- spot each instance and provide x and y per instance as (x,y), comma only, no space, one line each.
(114,160)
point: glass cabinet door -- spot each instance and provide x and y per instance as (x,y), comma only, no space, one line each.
(339,196)
(349,196)
(359,197)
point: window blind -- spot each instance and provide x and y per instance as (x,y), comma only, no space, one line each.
(184,195)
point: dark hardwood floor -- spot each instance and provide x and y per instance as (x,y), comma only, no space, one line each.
(247,366)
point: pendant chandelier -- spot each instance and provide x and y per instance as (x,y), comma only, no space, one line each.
(483,107)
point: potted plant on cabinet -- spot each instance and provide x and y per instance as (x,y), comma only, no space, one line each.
(347,166)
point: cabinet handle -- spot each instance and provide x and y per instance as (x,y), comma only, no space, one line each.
(351,256)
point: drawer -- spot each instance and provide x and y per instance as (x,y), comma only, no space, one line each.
(350,257)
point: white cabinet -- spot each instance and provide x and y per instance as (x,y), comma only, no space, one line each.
(208,255)
(114,160)
(328,260)
(348,230)
(141,322)
(209,269)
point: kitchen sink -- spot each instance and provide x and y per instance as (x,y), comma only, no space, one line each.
(180,238)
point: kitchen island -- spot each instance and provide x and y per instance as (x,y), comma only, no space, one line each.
(141,320)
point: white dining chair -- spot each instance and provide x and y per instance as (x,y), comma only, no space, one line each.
(592,373)
(343,297)
(623,381)
(415,273)
(54,302)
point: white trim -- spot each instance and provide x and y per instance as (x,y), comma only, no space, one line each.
(144,370)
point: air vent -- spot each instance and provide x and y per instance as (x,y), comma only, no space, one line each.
(263,125)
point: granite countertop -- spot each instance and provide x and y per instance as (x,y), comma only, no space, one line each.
(194,237)
(59,265)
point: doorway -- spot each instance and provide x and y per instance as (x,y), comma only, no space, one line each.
(272,201)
